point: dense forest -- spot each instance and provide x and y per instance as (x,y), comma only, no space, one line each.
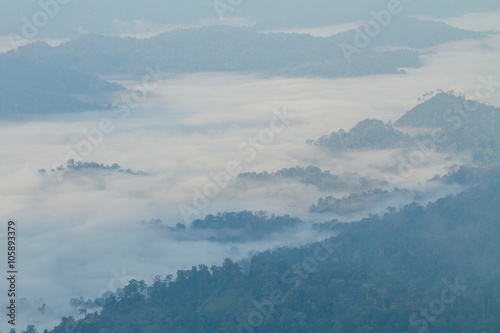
(235,227)
(323,180)
(215,49)
(39,79)
(357,207)
(75,166)
(464,125)
(429,113)
(226,48)
(432,267)
(367,134)
(356,202)
(29,89)
(458,124)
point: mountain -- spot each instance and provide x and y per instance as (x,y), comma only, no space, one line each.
(433,112)
(421,268)
(460,125)
(367,134)
(234,227)
(29,89)
(230,49)
(359,201)
(413,33)
(463,125)
(323,180)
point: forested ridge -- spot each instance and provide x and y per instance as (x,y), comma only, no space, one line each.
(228,49)
(30,88)
(323,180)
(367,134)
(378,275)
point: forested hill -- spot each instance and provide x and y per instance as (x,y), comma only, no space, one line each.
(461,125)
(440,108)
(467,125)
(367,134)
(234,227)
(323,180)
(230,49)
(29,89)
(38,79)
(432,267)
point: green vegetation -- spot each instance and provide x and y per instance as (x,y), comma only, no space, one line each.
(29,89)
(440,109)
(229,49)
(367,134)
(460,125)
(38,79)
(71,165)
(235,227)
(382,274)
(357,202)
(416,34)
(465,125)
(430,112)
(217,49)
(468,175)
(323,180)
(251,222)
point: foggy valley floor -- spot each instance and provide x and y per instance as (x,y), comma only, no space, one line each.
(86,230)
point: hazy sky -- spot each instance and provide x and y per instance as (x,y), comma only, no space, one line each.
(77,235)
(72,18)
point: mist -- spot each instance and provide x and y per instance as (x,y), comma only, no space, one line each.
(80,233)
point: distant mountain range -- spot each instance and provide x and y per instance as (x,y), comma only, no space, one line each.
(385,273)
(118,16)
(29,89)
(463,125)
(459,125)
(49,79)
(229,49)
(323,180)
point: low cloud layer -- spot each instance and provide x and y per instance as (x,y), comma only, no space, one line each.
(77,235)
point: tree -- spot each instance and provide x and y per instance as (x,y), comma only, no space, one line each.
(30,329)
